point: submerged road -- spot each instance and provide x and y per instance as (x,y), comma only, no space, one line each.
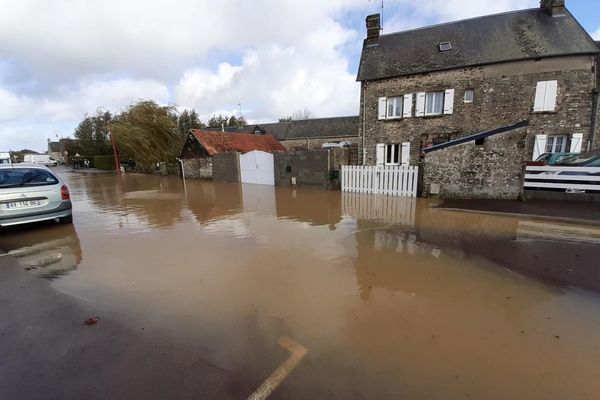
(229,291)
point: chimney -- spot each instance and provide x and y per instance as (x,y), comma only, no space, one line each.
(556,8)
(373,28)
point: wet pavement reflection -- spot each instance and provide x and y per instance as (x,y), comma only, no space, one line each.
(392,297)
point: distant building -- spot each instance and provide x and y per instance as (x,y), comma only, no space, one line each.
(307,134)
(60,150)
(426,87)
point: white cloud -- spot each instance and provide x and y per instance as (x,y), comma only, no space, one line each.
(68,104)
(276,81)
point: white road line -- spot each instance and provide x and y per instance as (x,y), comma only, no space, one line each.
(270,384)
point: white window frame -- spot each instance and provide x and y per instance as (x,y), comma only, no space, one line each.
(394,150)
(427,102)
(471,92)
(393,102)
(551,142)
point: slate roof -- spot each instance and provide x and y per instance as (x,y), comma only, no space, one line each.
(311,128)
(512,36)
(222,142)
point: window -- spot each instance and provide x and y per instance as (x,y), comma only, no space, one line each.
(392,154)
(26,177)
(545,96)
(434,103)
(556,144)
(394,107)
(479,142)
(469,95)
(445,46)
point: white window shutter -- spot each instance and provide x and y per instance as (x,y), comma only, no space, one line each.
(420,105)
(576,140)
(382,108)
(539,146)
(407,106)
(449,101)
(380,154)
(550,97)
(405,155)
(540,95)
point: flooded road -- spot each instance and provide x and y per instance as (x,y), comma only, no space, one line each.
(390,297)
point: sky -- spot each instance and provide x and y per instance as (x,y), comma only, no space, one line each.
(62,59)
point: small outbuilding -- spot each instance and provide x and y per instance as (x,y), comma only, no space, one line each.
(202,148)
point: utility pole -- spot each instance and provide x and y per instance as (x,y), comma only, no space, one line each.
(113,140)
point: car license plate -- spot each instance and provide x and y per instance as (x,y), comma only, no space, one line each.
(22,204)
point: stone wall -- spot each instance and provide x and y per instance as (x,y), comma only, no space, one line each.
(477,171)
(198,168)
(315,143)
(311,168)
(503,94)
(226,167)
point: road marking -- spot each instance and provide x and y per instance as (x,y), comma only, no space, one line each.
(270,384)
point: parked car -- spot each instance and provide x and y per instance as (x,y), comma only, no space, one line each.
(586,159)
(32,193)
(553,158)
(43,159)
(5,158)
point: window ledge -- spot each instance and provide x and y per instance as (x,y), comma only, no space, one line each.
(393,118)
(434,115)
(544,112)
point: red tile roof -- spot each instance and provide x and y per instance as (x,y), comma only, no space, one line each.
(222,142)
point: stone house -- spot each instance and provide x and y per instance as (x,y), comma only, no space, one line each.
(201,147)
(536,68)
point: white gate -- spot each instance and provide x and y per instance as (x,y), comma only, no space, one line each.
(257,167)
(390,180)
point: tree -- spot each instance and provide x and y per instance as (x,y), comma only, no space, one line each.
(188,120)
(148,133)
(218,121)
(93,136)
(298,115)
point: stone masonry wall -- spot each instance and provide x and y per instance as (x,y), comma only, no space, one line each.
(198,168)
(478,171)
(503,94)
(226,167)
(311,168)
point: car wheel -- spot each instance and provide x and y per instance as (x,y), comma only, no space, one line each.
(66,220)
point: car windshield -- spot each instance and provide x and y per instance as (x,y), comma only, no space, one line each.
(578,159)
(544,157)
(26,177)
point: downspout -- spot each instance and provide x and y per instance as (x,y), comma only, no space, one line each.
(364,121)
(594,124)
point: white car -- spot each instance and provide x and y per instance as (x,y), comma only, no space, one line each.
(32,193)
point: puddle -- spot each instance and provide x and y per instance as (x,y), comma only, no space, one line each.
(391,297)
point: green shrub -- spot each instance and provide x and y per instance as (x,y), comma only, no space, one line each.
(104,162)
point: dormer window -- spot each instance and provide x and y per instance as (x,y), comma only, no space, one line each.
(445,46)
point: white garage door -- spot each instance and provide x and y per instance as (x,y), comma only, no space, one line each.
(257,167)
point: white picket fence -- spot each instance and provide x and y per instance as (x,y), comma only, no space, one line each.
(546,177)
(388,180)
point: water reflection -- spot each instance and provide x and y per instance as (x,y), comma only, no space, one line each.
(47,250)
(382,290)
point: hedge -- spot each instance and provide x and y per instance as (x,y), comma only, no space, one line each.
(104,162)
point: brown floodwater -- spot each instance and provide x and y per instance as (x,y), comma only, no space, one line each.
(391,297)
